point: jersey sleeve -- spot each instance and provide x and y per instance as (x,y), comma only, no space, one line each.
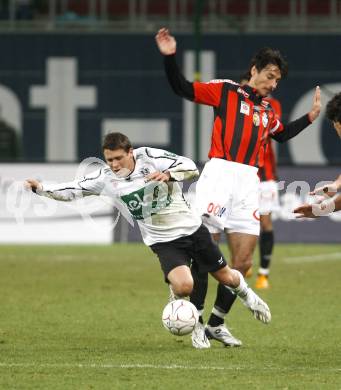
(180,168)
(276,127)
(91,184)
(282,133)
(208,93)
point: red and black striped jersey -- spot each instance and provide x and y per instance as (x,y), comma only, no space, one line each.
(267,171)
(243,121)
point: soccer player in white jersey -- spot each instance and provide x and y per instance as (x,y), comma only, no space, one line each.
(145,182)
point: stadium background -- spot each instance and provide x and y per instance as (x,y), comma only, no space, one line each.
(88,316)
(72,70)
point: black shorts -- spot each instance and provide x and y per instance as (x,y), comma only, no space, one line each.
(198,247)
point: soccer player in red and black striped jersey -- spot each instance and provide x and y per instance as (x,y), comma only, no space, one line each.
(227,190)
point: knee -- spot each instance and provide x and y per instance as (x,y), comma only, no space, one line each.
(243,264)
(226,277)
(183,288)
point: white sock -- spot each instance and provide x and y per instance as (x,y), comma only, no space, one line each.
(263,271)
(218,313)
(242,289)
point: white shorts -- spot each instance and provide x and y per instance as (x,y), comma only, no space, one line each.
(268,197)
(227,197)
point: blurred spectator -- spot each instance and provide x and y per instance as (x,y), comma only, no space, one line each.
(9,142)
(23,10)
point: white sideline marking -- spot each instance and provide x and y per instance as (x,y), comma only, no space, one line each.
(161,367)
(314,258)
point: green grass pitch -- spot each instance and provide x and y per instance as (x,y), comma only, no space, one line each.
(89,317)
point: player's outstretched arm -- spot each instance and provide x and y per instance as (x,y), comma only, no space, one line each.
(167,46)
(91,184)
(165,42)
(282,133)
(328,190)
(316,210)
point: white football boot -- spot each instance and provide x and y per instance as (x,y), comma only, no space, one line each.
(258,307)
(223,335)
(199,338)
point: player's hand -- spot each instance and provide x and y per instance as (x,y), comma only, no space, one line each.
(158,176)
(315,210)
(33,185)
(316,108)
(165,42)
(327,191)
(304,211)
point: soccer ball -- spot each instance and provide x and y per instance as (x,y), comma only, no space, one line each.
(180,317)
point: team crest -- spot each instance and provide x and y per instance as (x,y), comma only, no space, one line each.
(144,171)
(256,120)
(265,119)
(244,108)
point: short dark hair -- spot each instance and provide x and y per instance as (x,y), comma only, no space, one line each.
(333,110)
(266,56)
(114,141)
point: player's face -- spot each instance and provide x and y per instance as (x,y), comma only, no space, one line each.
(337,126)
(120,162)
(266,80)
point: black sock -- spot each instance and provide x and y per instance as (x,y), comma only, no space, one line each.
(224,301)
(215,320)
(266,243)
(199,289)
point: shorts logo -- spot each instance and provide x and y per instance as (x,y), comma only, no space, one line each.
(216,210)
(256,215)
(221,261)
(244,108)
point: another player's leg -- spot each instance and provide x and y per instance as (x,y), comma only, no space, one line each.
(175,259)
(234,280)
(199,289)
(241,247)
(201,280)
(216,328)
(266,243)
(181,283)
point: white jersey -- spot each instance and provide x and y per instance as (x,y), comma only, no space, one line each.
(159,208)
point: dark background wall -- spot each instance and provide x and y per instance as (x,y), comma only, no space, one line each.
(127,72)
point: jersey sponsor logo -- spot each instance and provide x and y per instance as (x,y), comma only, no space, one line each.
(244,108)
(216,81)
(265,103)
(256,119)
(216,209)
(242,92)
(147,201)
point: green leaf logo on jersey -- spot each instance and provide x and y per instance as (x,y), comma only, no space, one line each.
(147,200)
(171,155)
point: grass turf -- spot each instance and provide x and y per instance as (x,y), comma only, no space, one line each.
(89,318)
